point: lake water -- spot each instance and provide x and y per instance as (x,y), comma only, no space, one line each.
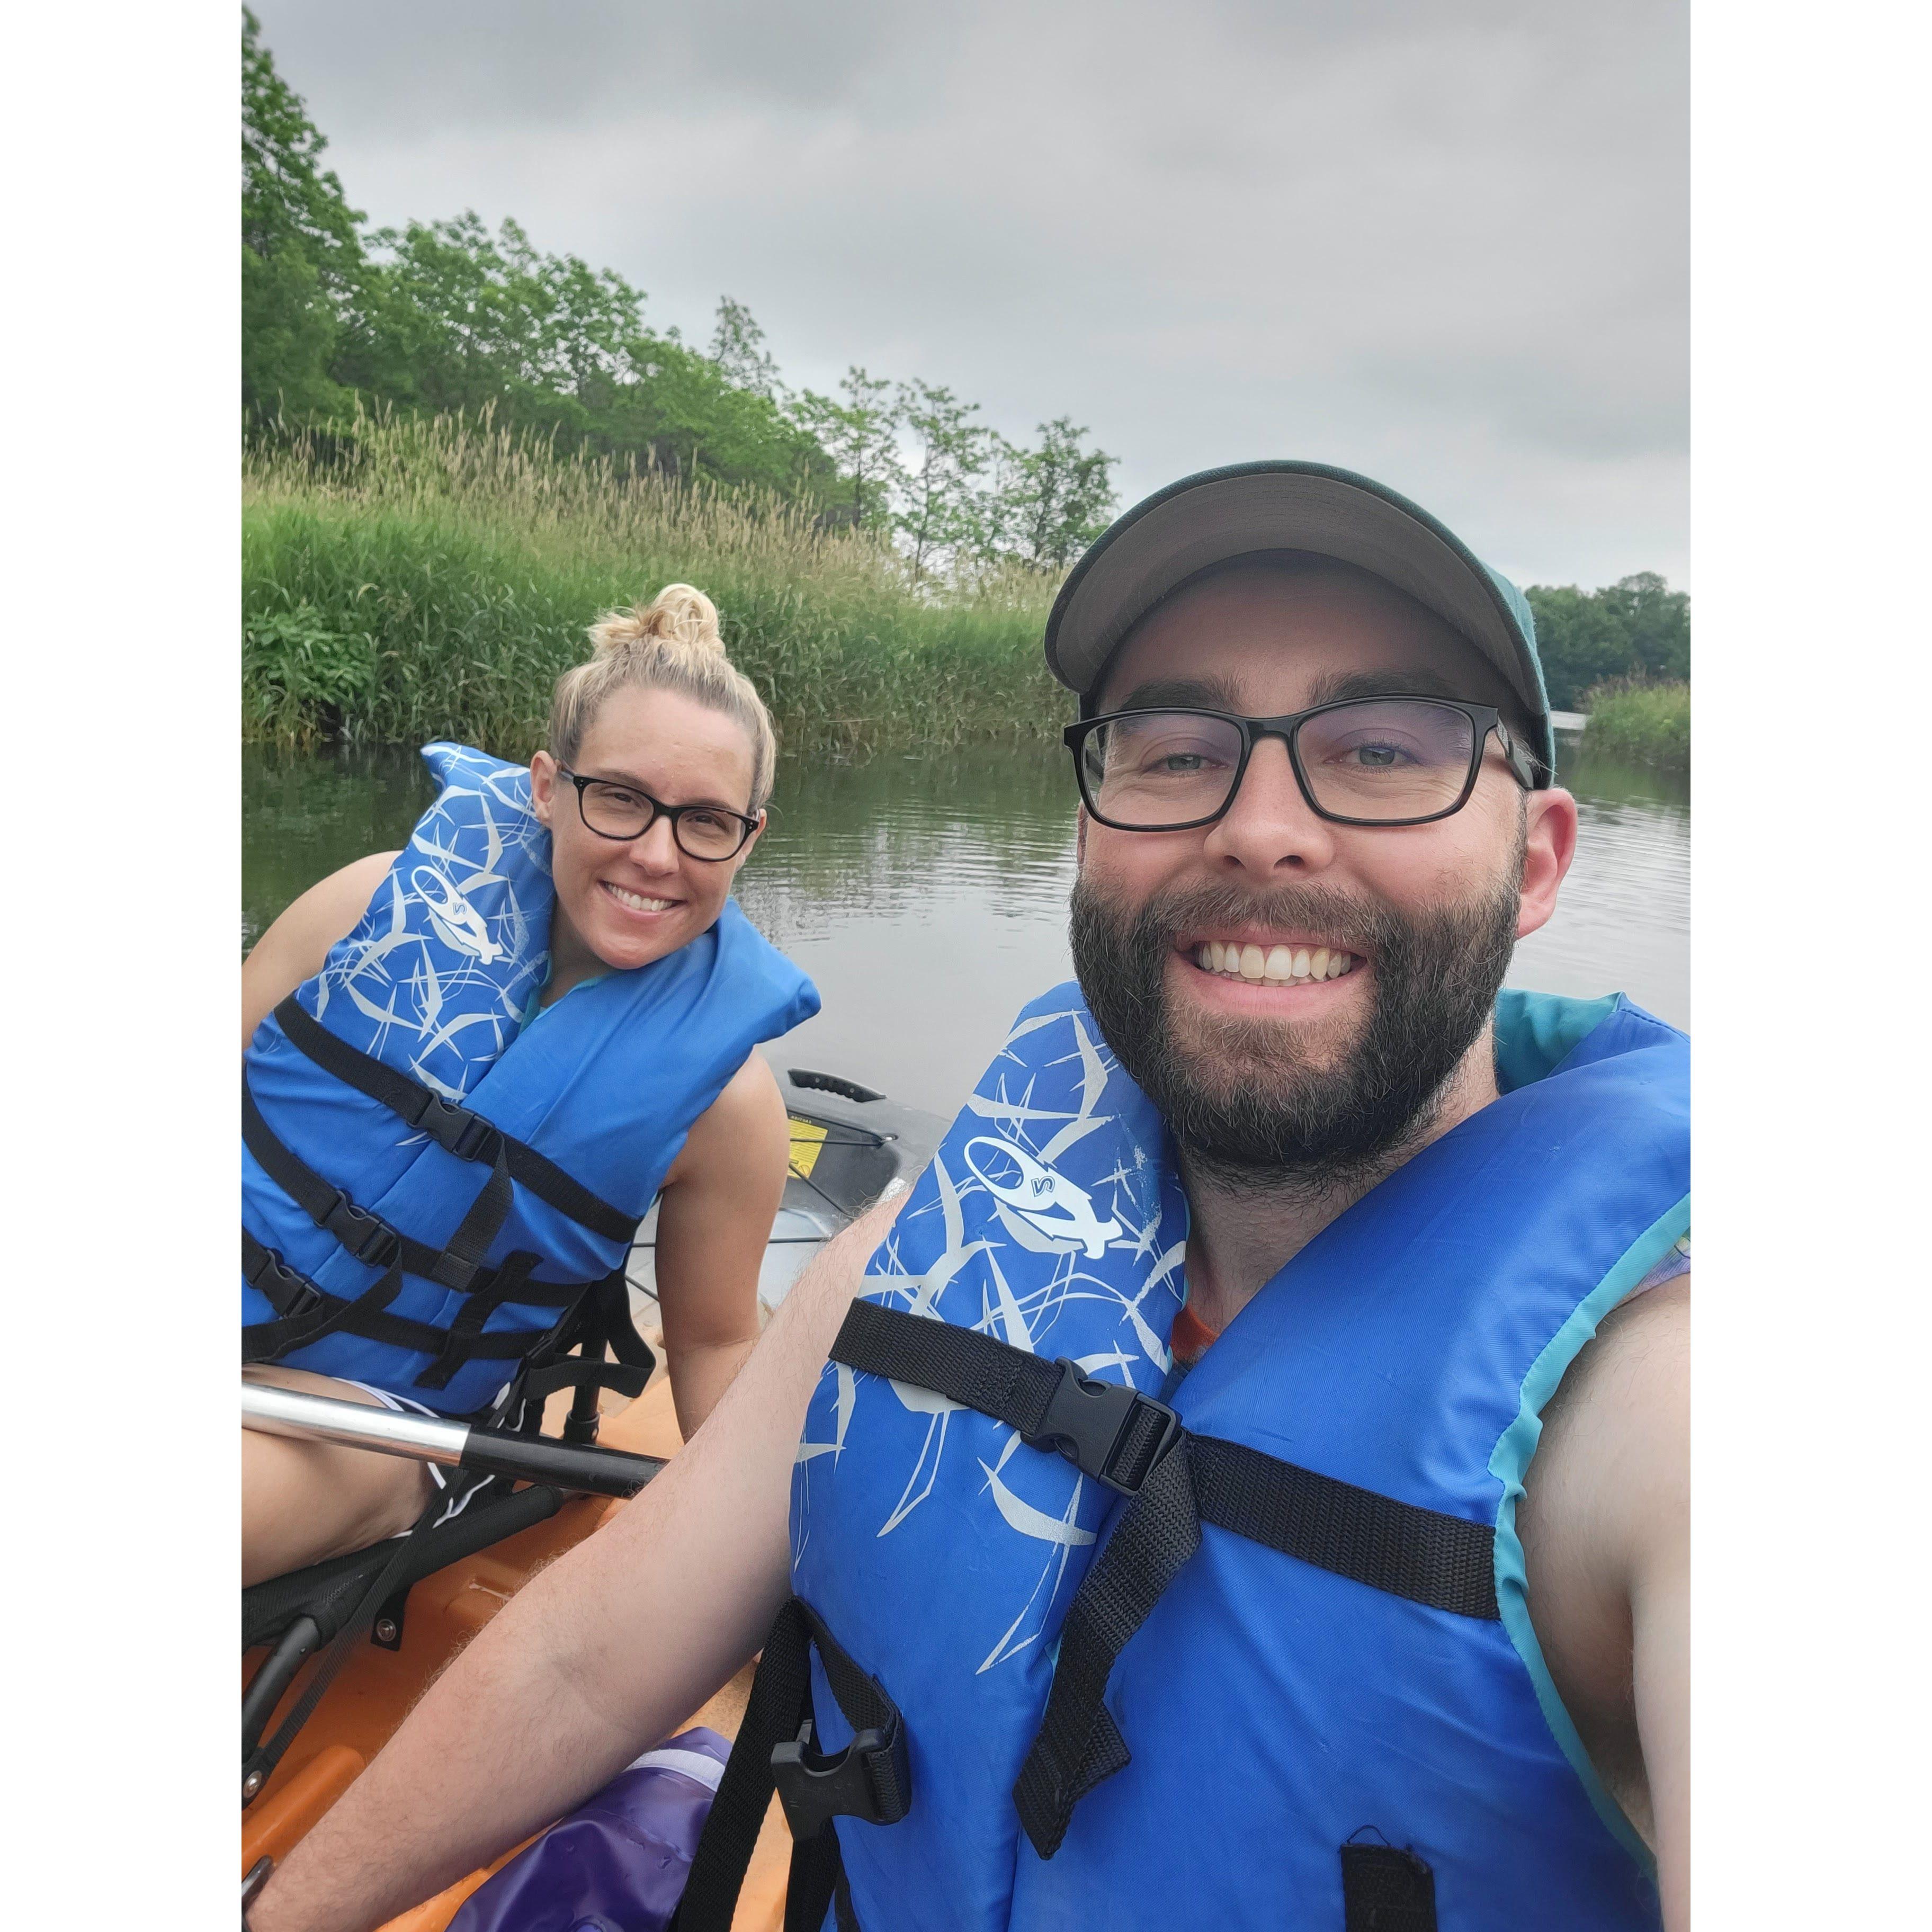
(927,896)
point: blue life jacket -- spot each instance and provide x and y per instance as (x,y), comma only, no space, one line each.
(433,1191)
(1323,1699)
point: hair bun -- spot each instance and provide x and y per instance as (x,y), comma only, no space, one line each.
(680,614)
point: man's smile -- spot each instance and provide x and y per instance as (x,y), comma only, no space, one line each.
(1255,968)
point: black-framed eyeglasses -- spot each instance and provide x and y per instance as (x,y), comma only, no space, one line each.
(1392,760)
(612,811)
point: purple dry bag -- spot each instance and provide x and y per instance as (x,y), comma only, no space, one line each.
(618,1862)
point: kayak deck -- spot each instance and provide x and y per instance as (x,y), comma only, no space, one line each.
(378,1687)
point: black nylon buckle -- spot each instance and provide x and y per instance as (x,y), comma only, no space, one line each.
(870,1779)
(365,1237)
(300,1297)
(467,1136)
(1087,1422)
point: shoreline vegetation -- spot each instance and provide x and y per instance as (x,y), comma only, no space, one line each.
(1642,723)
(432,578)
(458,450)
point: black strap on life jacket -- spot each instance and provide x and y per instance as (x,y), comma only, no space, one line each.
(458,1129)
(305,1313)
(1174,1481)
(870,1779)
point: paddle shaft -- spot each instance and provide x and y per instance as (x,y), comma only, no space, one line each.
(273,1410)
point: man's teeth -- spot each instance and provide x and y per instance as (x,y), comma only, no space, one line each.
(636,900)
(1278,965)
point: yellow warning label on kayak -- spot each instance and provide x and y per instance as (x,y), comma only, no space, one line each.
(807,1138)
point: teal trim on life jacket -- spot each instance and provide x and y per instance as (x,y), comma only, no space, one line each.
(1537,1032)
(1511,1463)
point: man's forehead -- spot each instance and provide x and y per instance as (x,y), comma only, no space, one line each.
(1263,634)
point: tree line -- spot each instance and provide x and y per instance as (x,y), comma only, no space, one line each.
(1637,629)
(442,316)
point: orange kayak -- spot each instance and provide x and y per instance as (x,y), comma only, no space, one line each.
(377,1688)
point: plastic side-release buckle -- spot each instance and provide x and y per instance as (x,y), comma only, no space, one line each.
(468,1135)
(870,1779)
(370,1240)
(1108,1430)
(288,1294)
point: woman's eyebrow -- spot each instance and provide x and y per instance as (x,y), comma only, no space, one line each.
(677,804)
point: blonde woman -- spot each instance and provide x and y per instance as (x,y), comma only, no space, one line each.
(470,1066)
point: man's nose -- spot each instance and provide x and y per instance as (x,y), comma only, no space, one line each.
(1270,828)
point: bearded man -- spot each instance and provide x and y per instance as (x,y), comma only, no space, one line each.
(1244,1482)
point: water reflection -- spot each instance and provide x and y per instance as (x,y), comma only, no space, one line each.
(927,896)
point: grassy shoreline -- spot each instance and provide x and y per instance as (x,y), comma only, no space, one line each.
(1646,723)
(436,584)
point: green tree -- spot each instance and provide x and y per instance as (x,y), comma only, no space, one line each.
(860,434)
(1638,627)
(942,513)
(1657,619)
(1050,502)
(738,348)
(301,254)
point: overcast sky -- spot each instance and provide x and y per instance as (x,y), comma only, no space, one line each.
(1445,244)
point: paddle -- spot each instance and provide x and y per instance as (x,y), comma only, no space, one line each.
(563,1466)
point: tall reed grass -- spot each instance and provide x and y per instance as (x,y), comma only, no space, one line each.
(1646,723)
(411,579)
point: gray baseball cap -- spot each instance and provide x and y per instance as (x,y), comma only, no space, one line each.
(1219,515)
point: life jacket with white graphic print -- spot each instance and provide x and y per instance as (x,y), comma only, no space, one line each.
(436,1188)
(1062,1654)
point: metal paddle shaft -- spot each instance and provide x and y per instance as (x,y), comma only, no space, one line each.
(274,1411)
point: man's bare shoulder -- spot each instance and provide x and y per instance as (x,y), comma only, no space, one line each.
(1605,1511)
(1612,1464)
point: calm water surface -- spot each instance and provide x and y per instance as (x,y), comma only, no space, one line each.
(927,896)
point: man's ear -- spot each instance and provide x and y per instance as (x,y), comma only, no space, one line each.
(1549,844)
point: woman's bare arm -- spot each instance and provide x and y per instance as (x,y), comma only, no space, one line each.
(714,1218)
(605,1652)
(293,949)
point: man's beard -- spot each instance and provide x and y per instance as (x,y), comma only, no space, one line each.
(1245,1106)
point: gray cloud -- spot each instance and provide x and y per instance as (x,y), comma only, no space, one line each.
(1447,246)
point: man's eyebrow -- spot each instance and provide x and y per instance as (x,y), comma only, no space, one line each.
(1337,685)
(1199,694)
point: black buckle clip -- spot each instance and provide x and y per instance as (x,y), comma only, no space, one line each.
(292,1297)
(370,1240)
(1087,1421)
(870,1779)
(467,1136)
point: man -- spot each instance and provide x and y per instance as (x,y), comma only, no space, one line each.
(1284,1628)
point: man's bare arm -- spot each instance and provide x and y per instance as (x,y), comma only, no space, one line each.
(1605,1523)
(605,1653)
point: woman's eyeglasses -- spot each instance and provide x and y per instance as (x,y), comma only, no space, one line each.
(1359,761)
(708,832)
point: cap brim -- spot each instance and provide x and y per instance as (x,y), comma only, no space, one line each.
(1221,515)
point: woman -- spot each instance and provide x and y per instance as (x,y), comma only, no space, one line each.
(469,1067)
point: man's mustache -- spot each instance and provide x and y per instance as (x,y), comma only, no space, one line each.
(1360,925)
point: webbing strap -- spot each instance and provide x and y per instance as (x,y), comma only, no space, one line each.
(456,1266)
(1110,1431)
(1176,1481)
(778,1716)
(461,1130)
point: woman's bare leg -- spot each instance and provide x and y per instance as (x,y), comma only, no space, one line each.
(302,1501)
